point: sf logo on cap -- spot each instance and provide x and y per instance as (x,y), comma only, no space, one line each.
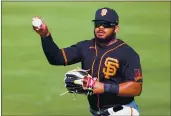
(103,12)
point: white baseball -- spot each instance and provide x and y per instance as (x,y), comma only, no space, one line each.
(36,22)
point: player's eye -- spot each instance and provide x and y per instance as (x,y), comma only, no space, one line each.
(104,24)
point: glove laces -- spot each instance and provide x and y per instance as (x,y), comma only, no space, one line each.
(74,95)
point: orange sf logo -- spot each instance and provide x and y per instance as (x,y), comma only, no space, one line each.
(111,66)
(104,12)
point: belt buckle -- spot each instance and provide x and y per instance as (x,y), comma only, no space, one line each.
(99,113)
(102,113)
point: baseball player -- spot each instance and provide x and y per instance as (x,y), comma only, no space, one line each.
(113,62)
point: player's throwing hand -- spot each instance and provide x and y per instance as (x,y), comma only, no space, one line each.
(40,27)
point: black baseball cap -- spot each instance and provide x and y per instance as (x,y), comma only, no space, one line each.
(106,14)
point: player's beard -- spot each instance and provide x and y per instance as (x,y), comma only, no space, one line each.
(105,40)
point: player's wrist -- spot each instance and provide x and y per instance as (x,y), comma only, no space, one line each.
(45,35)
(98,88)
(111,88)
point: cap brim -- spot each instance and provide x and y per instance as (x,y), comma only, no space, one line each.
(100,20)
(114,23)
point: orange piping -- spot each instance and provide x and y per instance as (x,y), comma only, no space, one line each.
(105,54)
(64,55)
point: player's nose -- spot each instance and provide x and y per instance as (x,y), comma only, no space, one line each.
(101,27)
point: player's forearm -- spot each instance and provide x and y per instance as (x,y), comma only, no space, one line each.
(51,51)
(130,89)
(126,89)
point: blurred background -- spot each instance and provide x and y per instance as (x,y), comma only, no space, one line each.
(31,86)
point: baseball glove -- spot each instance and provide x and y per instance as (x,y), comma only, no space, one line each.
(79,81)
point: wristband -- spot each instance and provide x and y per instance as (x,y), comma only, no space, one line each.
(111,88)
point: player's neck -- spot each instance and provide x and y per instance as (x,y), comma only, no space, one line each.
(112,41)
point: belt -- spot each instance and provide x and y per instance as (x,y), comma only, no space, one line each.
(106,112)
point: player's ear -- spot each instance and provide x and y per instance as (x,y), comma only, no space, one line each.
(116,28)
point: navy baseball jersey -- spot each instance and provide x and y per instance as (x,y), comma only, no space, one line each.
(116,63)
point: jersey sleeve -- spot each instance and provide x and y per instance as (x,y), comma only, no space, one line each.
(72,54)
(131,68)
(57,56)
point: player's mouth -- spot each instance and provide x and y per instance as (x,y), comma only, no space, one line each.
(100,33)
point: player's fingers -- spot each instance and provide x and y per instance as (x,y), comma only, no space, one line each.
(43,26)
(36,29)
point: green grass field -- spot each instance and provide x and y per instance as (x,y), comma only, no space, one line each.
(30,86)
